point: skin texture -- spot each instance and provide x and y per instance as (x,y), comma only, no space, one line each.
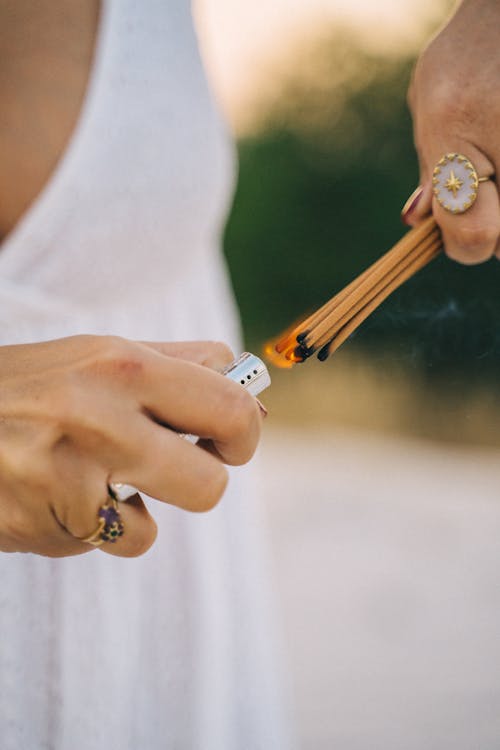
(46,51)
(79,412)
(456,108)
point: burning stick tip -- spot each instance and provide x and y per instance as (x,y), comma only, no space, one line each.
(324,353)
(302,352)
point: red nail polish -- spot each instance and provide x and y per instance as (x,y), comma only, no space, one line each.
(262,408)
(411,204)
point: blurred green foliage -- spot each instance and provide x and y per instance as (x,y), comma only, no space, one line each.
(320,190)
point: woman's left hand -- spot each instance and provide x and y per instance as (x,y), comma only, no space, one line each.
(456,108)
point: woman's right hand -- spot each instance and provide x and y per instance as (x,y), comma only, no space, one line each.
(80,412)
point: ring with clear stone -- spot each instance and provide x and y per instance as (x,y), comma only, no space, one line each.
(455,183)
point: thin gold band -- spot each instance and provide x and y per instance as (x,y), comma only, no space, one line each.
(484,179)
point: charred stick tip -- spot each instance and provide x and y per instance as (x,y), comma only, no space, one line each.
(302,336)
(324,352)
(303,351)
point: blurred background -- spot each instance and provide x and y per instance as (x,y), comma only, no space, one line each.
(380,467)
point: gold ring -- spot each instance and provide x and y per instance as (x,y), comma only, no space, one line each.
(455,183)
(110,527)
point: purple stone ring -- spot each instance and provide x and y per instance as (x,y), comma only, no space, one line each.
(110,527)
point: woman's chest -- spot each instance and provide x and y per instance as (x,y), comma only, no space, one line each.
(141,189)
(46,51)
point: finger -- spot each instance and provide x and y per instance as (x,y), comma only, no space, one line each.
(139,528)
(28,521)
(83,491)
(80,491)
(33,527)
(213,354)
(161,464)
(418,205)
(173,393)
(207,404)
(471,237)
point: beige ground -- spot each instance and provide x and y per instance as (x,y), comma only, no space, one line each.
(379,394)
(387,561)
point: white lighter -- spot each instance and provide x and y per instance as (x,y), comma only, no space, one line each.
(250,372)
(247,370)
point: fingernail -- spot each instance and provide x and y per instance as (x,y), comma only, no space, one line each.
(411,205)
(262,408)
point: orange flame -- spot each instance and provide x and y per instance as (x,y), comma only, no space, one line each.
(291,355)
(275,358)
(282,352)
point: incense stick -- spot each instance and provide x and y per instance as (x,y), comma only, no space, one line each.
(364,293)
(398,252)
(350,327)
(329,326)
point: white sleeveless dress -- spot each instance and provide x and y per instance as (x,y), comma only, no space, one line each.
(171,650)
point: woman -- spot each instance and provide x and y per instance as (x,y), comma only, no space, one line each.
(116,173)
(115,180)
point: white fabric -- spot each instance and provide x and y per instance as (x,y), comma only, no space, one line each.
(171,650)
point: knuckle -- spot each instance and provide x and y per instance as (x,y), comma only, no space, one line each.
(222,351)
(446,106)
(217,355)
(441,100)
(123,357)
(117,346)
(213,487)
(478,236)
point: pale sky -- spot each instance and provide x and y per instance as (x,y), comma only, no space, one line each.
(239,36)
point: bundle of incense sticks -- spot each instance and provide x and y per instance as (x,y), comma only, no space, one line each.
(326,329)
